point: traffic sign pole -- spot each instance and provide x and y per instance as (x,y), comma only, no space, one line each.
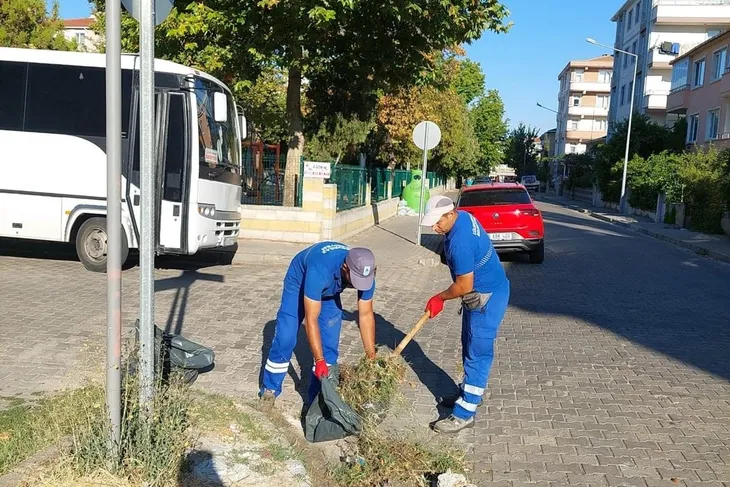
(421,203)
(147,203)
(114,222)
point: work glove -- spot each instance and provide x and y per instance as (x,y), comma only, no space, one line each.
(435,306)
(320,369)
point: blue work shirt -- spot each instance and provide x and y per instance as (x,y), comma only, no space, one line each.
(468,248)
(317,271)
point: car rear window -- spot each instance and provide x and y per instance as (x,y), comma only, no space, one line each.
(488,197)
(529,179)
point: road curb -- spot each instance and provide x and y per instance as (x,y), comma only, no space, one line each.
(698,249)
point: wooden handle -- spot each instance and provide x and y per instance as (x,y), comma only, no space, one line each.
(411,333)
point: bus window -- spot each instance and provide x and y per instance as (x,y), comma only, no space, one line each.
(217,141)
(175,156)
(135,154)
(12,95)
(67,100)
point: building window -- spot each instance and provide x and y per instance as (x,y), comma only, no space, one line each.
(602,101)
(575,100)
(633,49)
(573,125)
(570,148)
(601,125)
(604,76)
(629,92)
(680,72)
(699,78)
(623,95)
(692,124)
(628,24)
(712,33)
(80,39)
(719,59)
(578,75)
(713,124)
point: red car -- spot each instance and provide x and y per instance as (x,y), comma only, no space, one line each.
(508,214)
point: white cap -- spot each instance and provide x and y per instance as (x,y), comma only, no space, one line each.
(436,207)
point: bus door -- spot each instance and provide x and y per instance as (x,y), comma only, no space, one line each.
(170,175)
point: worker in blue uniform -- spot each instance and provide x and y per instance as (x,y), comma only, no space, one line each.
(311,293)
(481,283)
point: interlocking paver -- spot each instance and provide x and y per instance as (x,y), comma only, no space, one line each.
(610,368)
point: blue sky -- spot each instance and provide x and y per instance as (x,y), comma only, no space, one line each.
(523,64)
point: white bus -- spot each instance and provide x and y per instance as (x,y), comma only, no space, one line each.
(53,160)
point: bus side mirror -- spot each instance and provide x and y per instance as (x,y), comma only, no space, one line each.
(220,107)
(242,126)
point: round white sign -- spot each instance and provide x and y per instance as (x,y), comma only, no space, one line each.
(426,135)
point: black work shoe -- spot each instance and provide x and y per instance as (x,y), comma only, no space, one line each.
(452,425)
(267,401)
(450,401)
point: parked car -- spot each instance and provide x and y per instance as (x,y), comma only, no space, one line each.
(508,214)
(530,182)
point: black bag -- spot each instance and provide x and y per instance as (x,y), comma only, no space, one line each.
(175,353)
(329,417)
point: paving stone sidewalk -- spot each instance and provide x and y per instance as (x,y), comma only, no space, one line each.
(715,246)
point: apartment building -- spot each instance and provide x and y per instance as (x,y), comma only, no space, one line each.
(657,32)
(80,31)
(583,101)
(700,91)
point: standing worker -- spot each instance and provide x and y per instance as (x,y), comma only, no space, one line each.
(312,286)
(482,285)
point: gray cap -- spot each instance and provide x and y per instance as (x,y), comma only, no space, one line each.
(361,263)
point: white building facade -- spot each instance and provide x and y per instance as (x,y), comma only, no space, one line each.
(80,31)
(657,31)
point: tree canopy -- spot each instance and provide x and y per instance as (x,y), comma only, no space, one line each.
(26,23)
(490,128)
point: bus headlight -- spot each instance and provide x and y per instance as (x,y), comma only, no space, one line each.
(206,210)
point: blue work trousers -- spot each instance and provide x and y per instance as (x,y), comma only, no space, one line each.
(288,319)
(478,331)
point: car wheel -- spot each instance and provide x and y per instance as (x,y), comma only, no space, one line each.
(537,256)
(92,247)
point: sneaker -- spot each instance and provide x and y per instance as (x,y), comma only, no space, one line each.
(450,401)
(452,424)
(267,401)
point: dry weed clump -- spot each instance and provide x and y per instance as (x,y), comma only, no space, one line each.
(371,386)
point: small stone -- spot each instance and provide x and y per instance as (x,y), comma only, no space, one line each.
(296,467)
(450,479)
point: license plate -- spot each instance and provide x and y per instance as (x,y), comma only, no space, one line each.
(228,241)
(501,236)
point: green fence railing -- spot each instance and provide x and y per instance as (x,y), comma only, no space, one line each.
(262,178)
(400,179)
(379,179)
(352,183)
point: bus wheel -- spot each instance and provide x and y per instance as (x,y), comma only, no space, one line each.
(92,247)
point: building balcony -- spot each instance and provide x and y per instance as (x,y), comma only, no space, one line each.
(690,12)
(656,99)
(659,60)
(678,99)
(584,135)
(586,111)
(590,87)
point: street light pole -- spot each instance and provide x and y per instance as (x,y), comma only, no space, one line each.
(622,201)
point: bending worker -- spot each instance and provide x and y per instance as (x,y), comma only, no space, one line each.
(312,286)
(482,285)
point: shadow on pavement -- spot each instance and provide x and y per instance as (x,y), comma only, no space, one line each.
(182,285)
(204,473)
(651,294)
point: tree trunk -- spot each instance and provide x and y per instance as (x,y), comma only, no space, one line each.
(296,134)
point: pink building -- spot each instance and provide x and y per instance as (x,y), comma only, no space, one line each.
(701,91)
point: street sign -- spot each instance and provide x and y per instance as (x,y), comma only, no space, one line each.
(162,9)
(426,135)
(322,170)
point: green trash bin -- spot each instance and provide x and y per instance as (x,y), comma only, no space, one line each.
(412,191)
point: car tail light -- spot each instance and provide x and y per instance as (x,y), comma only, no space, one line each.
(530,212)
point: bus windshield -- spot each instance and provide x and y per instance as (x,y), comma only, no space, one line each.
(217,141)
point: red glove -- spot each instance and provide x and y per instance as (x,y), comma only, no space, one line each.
(435,306)
(320,369)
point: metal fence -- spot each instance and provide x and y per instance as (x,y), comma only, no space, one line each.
(400,179)
(262,178)
(351,184)
(379,179)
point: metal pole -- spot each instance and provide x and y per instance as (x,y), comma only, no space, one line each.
(623,202)
(114,222)
(421,203)
(147,203)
